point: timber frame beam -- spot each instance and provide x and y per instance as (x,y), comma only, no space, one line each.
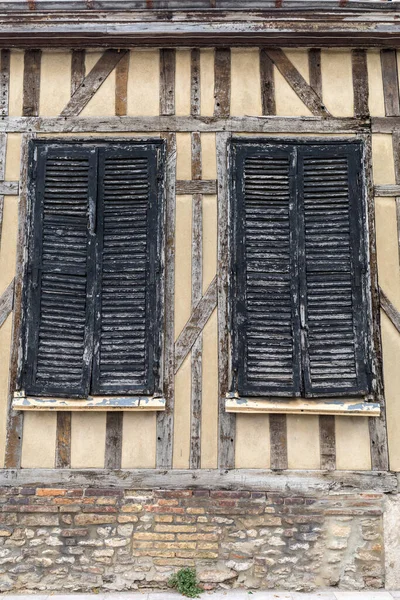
(127,23)
(304,482)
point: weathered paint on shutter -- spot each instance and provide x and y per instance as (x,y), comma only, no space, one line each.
(60,272)
(299,297)
(265,318)
(127,316)
(332,269)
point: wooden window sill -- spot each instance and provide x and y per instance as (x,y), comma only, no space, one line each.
(351,408)
(92,403)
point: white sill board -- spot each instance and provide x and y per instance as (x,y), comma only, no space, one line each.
(352,408)
(92,403)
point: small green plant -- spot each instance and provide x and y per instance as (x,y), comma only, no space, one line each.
(185,582)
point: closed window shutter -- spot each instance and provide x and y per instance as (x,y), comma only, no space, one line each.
(265,322)
(125,359)
(331,277)
(60,274)
(299,310)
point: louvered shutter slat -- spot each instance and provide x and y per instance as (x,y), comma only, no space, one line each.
(266,350)
(126,309)
(334,308)
(59,334)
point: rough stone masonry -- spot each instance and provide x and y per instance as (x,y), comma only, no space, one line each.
(118,539)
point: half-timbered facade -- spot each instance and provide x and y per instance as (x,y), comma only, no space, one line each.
(199,293)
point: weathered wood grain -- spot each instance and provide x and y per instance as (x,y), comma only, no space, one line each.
(227,422)
(377,426)
(15,419)
(222,82)
(227,25)
(167,81)
(8,188)
(3,148)
(390,310)
(6,302)
(195,83)
(78,69)
(390,83)
(4,82)
(314,67)
(202,187)
(92,82)
(113,450)
(396,160)
(121,86)
(297,82)
(267,84)
(302,482)
(165,420)
(265,124)
(387,190)
(327,441)
(31,86)
(197,287)
(199,317)
(63,440)
(278,442)
(360,83)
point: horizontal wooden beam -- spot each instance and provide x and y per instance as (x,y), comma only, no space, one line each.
(172,123)
(387,191)
(353,408)
(92,403)
(307,24)
(294,6)
(9,188)
(303,482)
(385,124)
(196,187)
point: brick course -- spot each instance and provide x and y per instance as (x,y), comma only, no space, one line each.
(62,539)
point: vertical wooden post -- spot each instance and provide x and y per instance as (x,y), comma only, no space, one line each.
(197,271)
(222,78)
(267,84)
(360,83)
(31,89)
(278,441)
(15,419)
(121,85)
(165,419)
(78,69)
(226,438)
(390,82)
(377,426)
(314,67)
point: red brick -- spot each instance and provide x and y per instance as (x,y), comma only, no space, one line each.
(50,492)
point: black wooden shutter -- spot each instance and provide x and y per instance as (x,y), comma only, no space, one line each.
(265,319)
(332,270)
(60,273)
(299,301)
(126,325)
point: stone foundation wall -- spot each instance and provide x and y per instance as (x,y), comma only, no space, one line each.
(114,539)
